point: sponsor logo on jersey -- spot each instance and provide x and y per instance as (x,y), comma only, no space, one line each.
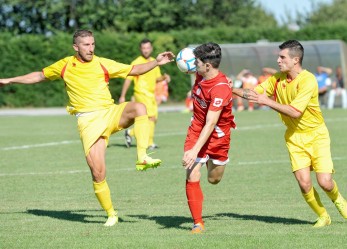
(217,102)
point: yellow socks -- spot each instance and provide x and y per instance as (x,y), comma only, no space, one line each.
(333,194)
(141,131)
(313,200)
(151,132)
(103,195)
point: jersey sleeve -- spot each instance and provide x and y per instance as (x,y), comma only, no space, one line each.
(116,69)
(221,96)
(269,84)
(306,88)
(55,70)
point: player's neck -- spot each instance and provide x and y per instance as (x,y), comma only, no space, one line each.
(211,74)
(291,75)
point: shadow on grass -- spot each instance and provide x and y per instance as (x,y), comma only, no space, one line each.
(184,223)
(74,215)
(168,221)
(266,219)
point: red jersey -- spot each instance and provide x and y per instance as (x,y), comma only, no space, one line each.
(214,94)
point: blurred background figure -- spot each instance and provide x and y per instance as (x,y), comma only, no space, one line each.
(162,90)
(249,81)
(337,89)
(189,102)
(323,78)
(266,72)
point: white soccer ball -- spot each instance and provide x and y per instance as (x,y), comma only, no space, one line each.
(185,60)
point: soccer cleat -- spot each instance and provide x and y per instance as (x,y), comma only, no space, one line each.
(322,221)
(153,147)
(341,205)
(128,139)
(146,163)
(112,220)
(198,228)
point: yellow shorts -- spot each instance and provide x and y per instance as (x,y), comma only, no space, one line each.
(150,103)
(102,123)
(310,149)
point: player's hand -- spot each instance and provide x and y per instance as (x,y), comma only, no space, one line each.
(4,82)
(261,99)
(189,158)
(167,78)
(165,57)
(250,95)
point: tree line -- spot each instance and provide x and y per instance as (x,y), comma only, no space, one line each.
(24,50)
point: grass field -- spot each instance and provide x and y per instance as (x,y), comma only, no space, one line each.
(47,199)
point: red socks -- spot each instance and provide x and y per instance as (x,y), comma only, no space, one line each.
(195,198)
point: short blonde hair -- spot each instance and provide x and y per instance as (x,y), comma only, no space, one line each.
(81,33)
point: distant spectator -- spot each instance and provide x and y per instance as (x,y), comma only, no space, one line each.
(323,78)
(249,81)
(337,89)
(162,89)
(266,73)
(189,102)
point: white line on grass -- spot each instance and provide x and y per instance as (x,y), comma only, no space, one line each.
(244,128)
(30,146)
(69,172)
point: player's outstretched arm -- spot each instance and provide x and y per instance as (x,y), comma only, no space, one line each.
(248,94)
(288,110)
(31,78)
(162,59)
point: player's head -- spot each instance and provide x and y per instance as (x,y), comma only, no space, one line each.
(210,53)
(146,48)
(84,44)
(291,54)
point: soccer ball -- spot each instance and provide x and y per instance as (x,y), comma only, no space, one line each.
(185,61)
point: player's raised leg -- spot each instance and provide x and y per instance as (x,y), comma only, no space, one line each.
(96,162)
(195,197)
(135,113)
(215,172)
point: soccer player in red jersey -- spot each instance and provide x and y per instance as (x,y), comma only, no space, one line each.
(208,137)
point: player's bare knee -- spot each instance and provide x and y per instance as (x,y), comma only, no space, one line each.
(305,186)
(140,109)
(325,184)
(193,176)
(213,180)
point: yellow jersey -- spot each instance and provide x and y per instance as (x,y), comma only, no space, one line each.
(301,94)
(87,82)
(145,84)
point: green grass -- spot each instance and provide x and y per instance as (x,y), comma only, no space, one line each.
(47,199)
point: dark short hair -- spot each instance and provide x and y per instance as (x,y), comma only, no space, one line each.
(144,41)
(209,52)
(81,33)
(295,49)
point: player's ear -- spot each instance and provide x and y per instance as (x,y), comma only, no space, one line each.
(75,47)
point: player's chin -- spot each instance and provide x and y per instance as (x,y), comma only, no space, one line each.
(88,58)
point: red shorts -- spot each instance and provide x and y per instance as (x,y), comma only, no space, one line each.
(215,148)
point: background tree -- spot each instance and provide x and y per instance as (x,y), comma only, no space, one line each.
(48,16)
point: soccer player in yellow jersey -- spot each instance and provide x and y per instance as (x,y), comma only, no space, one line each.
(295,98)
(144,91)
(86,78)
